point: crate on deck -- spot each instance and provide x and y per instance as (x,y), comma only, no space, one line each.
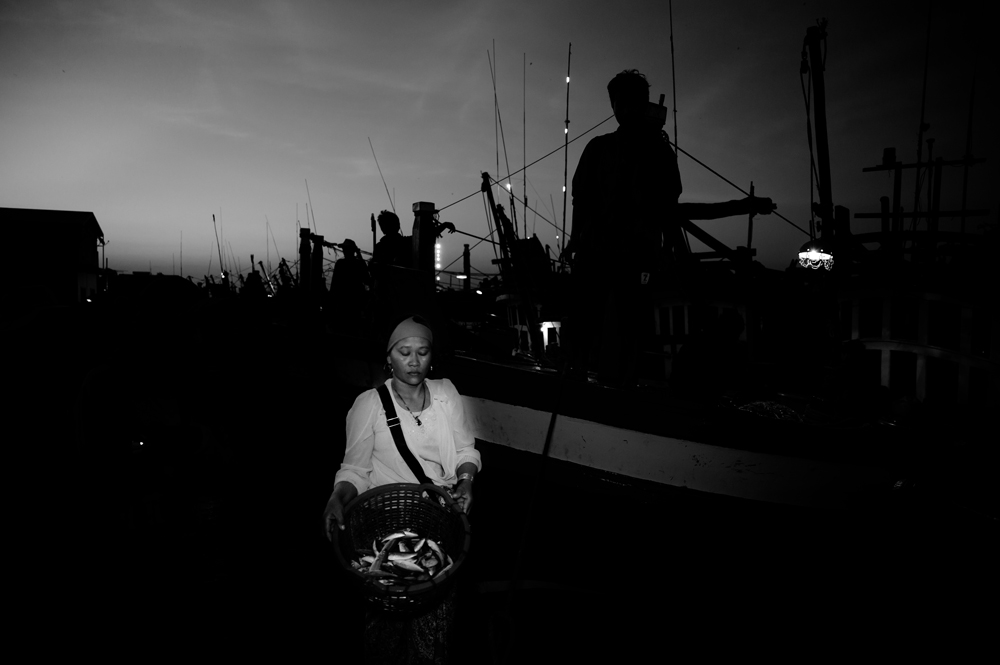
(390,508)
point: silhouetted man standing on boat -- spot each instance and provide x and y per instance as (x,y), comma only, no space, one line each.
(393,248)
(625,192)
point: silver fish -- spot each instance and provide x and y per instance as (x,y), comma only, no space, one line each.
(400,534)
(407,564)
(396,557)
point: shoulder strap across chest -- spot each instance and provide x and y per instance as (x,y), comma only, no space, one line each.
(397,435)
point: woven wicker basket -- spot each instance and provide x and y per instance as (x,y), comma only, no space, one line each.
(389,508)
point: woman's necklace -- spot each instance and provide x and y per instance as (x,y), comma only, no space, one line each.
(416,416)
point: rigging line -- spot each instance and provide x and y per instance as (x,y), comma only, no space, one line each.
(391,204)
(487,238)
(740,189)
(554,225)
(539,196)
(503,139)
(499,118)
(489,225)
(472,236)
(534,162)
(275,242)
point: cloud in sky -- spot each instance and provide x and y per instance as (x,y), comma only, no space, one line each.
(156,115)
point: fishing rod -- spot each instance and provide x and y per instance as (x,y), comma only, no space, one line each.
(552,224)
(221,265)
(273,240)
(503,140)
(391,204)
(267,277)
(311,206)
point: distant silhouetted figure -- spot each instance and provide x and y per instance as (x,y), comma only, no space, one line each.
(349,288)
(625,193)
(393,248)
(253,287)
(391,266)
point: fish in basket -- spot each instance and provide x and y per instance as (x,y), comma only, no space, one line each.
(404,544)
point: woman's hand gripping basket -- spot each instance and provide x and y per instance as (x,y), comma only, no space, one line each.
(404,544)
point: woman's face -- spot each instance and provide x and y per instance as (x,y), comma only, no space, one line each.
(411,360)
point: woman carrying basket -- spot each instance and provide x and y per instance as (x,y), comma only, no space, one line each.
(438,442)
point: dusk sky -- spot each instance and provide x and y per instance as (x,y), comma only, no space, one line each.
(157,115)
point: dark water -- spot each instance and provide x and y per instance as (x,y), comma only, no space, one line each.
(206,540)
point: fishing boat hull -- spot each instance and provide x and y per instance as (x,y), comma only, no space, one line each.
(648,437)
(678,462)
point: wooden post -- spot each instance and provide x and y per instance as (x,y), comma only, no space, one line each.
(467,268)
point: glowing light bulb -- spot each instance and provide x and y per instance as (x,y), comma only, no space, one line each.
(564,188)
(566,130)
(567,79)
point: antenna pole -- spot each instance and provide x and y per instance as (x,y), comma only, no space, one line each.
(562,237)
(524,140)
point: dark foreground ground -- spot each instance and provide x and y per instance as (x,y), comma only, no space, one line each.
(205,540)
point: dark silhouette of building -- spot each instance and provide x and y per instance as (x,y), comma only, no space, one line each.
(59,263)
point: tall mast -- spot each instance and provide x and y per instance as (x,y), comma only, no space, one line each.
(923,124)
(815,35)
(562,238)
(673,74)
(524,140)
(496,108)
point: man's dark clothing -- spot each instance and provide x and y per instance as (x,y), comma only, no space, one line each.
(625,191)
(394,249)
